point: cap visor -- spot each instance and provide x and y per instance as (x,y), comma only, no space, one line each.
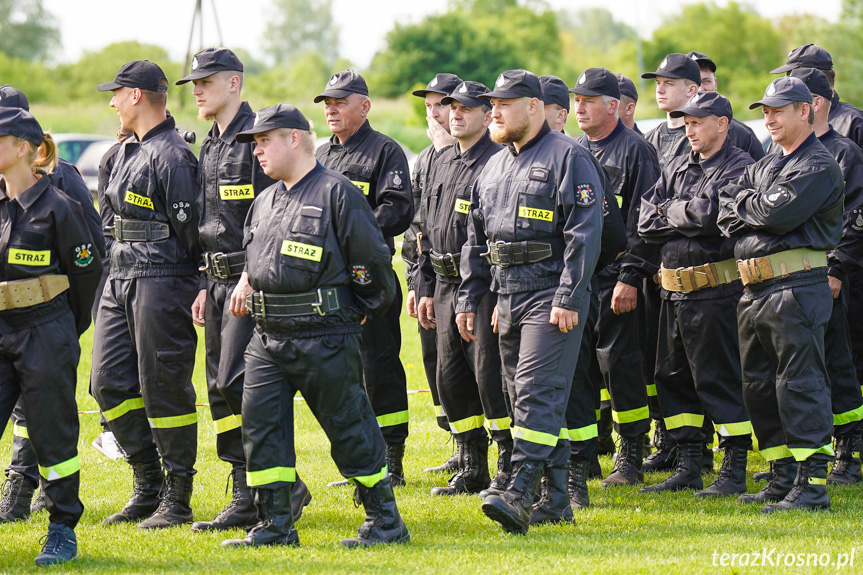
(196,76)
(466,100)
(772,102)
(108,86)
(505,95)
(697,112)
(784,69)
(648,75)
(590,93)
(424,93)
(333,94)
(249,135)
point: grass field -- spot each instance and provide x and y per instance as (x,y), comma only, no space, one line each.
(624,531)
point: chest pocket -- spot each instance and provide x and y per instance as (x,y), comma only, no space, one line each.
(361,176)
(615,180)
(305,248)
(461,206)
(138,198)
(536,209)
(29,249)
(235,183)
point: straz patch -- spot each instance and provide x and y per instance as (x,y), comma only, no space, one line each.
(29,257)
(364,186)
(246,192)
(181,211)
(462,206)
(302,251)
(396,180)
(136,200)
(361,275)
(584,196)
(535,214)
(83,255)
(777,197)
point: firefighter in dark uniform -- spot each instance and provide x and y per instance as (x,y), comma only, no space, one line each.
(377,166)
(632,168)
(555,99)
(144,342)
(437,116)
(23,470)
(628,102)
(785,212)
(698,358)
(50,270)
(534,214)
(468,373)
(309,285)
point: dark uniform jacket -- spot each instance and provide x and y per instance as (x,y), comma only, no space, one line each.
(155,179)
(446,207)
(670,143)
(549,190)
(422,167)
(106,166)
(849,251)
(785,202)
(68,180)
(377,165)
(632,168)
(689,193)
(319,234)
(846,119)
(229,177)
(42,231)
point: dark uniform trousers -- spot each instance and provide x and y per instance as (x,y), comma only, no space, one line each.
(582,408)
(469,374)
(276,369)
(226,339)
(855,314)
(142,369)
(538,367)
(845,391)
(698,371)
(46,353)
(650,325)
(428,349)
(781,324)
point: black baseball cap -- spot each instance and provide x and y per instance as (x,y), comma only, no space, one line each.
(554,91)
(677,66)
(703,60)
(211,60)
(783,91)
(21,124)
(272,118)
(597,82)
(440,84)
(704,104)
(806,56)
(13,98)
(141,74)
(468,93)
(515,84)
(627,87)
(343,84)
(815,80)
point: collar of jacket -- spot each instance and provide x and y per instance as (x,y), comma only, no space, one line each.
(165,126)
(355,139)
(710,163)
(542,132)
(475,152)
(29,196)
(234,127)
(780,160)
(620,127)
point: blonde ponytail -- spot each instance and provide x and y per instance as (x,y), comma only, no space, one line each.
(45,157)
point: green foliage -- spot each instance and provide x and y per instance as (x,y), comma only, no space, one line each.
(591,38)
(27,30)
(32,78)
(299,26)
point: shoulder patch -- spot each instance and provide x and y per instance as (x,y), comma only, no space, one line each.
(777,197)
(538,174)
(180,211)
(361,275)
(857,224)
(396,179)
(83,255)
(585,196)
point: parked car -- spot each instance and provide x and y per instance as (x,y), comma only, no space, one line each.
(85,151)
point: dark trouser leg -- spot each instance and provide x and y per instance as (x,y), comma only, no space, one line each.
(23,457)
(428,349)
(581,406)
(650,341)
(854,301)
(846,399)
(484,355)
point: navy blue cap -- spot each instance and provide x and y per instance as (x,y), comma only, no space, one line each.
(13,98)
(272,118)
(467,93)
(677,66)
(515,84)
(705,104)
(21,124)
(703,60)
(554,91)
(815,80)
(784,91)
(211,60)
(597,82)
(440,84)
(806,56)
(627,87)
(343,84)
(141,74)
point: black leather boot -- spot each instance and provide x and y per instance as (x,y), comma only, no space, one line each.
(810,487)
(782,474)
(731,479)
(15,502)
(473,475)
(512,507)
(846,465)
(553,506)
(149,482)
(240,512)
(504,467)
(760,476)
(448,466)
(706,459)
(605,445)
(687,474)
(175,507)
(627,466)
(38,505)
(300,498)
(577,484)
(594,468)
(395,453)
(275,524)
(383,523)
(663,458)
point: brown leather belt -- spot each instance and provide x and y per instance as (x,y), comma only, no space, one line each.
(694,278)
(18,294)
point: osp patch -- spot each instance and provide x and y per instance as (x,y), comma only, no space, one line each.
(83,255)
(361,275)
(584,196)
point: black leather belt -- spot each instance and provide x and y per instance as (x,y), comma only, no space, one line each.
(445,264)
(126,230)
(505,254)
(223,266)
(321,302)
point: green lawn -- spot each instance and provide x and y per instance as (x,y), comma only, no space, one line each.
(623,531)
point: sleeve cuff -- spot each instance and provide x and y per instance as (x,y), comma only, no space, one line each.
(572,303)
(466,307)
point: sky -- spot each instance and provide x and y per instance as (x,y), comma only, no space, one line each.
(89,25)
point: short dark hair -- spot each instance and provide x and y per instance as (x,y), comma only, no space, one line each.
(798,105)
(157,99)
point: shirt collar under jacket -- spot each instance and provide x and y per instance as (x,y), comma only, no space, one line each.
(781,159)
(476,151)
(355,139)
(607,140)
(234,127)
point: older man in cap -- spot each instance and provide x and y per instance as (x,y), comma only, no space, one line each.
(555,99)
(377,165)
(785,213)
(628,102)
(536,215)
(310,284)
(698,359)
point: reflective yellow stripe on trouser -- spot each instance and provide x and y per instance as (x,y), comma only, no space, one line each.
(20,431)
(802,454)
(583,433)
(848,416)
(731,429)
(173,421)
(124,408)
(539,437)
(774,453)
(271,475)
(631,415)
(61,470)
(467,424)
(392,419)
(228,423)
(499,424)
(370,480)
(651,390)
(684,420)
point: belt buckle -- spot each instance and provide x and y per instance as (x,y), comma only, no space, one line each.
(452,262)
(487,254)
(317,305)
(221,269)
(263,305)
(207,262)
(498,244)
(754,271)
(677,275)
